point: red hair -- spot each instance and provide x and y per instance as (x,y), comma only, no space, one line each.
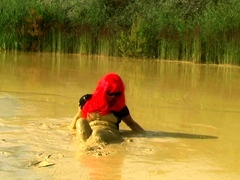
(109,83)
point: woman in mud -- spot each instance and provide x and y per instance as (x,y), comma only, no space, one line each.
(100,113)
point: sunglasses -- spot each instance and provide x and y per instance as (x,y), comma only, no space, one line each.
(116,94)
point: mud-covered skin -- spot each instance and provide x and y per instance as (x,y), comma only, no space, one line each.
(98,128)
(84,131)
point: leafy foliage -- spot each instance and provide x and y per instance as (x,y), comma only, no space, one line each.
(205,31)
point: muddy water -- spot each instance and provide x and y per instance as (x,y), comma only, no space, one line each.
(191,114)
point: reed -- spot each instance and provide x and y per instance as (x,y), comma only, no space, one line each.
(200,31)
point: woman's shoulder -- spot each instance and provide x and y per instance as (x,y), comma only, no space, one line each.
(84,99)
(122,113)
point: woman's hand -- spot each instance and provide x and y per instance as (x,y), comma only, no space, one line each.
(132,124)
(77,116)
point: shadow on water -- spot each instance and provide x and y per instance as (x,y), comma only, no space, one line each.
(162,134)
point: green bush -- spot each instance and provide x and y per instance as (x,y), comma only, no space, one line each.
(202,31)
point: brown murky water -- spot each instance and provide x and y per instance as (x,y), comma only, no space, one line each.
(191,113)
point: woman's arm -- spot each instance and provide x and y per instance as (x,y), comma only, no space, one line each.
(76,117)
(133,124)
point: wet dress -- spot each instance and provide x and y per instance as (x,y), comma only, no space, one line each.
(102,127)
(118,114)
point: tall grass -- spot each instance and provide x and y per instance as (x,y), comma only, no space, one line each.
(201,31)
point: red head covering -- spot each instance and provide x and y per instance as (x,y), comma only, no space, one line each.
(98,103)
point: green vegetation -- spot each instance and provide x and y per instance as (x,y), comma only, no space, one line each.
(202,31)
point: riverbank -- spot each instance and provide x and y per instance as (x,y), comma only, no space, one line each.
(198,31)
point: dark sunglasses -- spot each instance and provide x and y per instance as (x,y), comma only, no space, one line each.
(116,94)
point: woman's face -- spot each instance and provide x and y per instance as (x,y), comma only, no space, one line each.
(111,97)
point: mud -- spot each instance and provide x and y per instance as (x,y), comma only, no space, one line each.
(190,112)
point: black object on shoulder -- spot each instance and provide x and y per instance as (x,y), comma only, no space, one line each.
(84,99)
